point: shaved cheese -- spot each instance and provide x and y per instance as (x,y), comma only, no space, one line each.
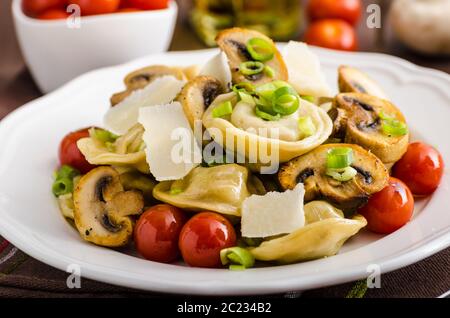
(273,213)
(305,74)
(218,67)
(120,118)
(172,151)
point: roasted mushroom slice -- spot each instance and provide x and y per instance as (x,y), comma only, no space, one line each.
(364,125)
(234,43)
(352,80)
(197,95)
(102,208)
(310,169)
(142,77)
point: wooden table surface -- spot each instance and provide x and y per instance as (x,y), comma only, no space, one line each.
(17,86)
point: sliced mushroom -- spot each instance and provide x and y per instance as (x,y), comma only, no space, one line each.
(197,95)
(102,208)
(363,126)
(142,77)
(233,42)
(352,80)
(310,169)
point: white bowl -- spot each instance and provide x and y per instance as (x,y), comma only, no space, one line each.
(56,53)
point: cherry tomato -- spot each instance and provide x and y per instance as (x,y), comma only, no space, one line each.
(333,34)
(348,10)
(157,231)
(69,154)
(421,168)
(53,14)
(125,10)
(34,8)
(92,7)
(389,209)
(202,238)
(149,4)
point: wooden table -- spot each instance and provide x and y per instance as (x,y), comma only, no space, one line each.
(17,88)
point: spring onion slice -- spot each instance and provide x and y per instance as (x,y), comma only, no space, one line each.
(339,158)
(251,67)
(392,126)
(266,90)
(66,171)
(342,175)
(260,49)
(243,87)
(62,186)
(226,108)
(103,135)
(246,98)
(308,98)
(306,126)
(266,116)
(268,71)
(285,101)
(238,258)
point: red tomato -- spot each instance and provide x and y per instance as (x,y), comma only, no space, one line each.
(333,34)
(421,168)
(149,4)
(69,154)
(157,231)
(34,8)
(125,10)
(202,238)
(389,209)
(53,14)
(92,7)
(348,10)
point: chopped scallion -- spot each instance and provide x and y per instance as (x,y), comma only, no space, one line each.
(251,67)
(266,116)
(342,175)
(306,126)
(226,108)
(239,258)
(260,49)
(339,158)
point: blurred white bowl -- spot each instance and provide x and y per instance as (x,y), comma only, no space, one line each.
(56,53)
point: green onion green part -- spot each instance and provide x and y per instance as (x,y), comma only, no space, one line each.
(246,98)
(104,135)
(239,258)
(306,126)
(260,49)
(339,157)
(243,87)
(251,67)
(308,98)
(266,116)
(226,108)
(285,100)
(175,191)
(62,186)
(392,126)
(342,175)
(268,71)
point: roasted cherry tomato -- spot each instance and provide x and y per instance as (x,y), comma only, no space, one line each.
(149,4)
(69,154)
(421,168)
(157,231)
(389,209)
(333,34)
(126,10)
(92,7)
(348,10)
(34,8)
(54,14)
(202,238)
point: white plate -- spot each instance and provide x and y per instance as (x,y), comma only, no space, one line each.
(30,219)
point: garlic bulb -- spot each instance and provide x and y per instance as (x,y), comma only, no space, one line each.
(423,25)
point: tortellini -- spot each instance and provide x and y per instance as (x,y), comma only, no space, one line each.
(126,152)
(220,188)
(325,232)
(225,133)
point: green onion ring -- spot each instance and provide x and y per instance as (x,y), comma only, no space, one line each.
(239,258)
(339,157)
(306,126)
(342,175)
(62,186)
(285,101)
(268,71)
(251,67)
(243,87)
(260,49)
(266,116)
(226,108)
